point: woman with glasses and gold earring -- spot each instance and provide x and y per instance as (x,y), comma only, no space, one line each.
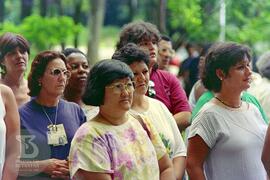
(48,123)
(78,66)
(115,144)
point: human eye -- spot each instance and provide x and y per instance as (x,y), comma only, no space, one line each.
(56,72)
(143,43)
(22,51)
(118,86)
(129,84)
(145,72)
(74,66)
(240,67)
(85,66)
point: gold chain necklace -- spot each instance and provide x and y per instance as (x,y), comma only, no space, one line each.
(228,104)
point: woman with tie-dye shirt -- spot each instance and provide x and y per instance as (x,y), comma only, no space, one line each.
(116,144)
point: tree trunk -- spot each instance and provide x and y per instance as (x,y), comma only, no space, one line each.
(132,4)
(76,18)
(162,16)
(59,7)
(96,23)
(43,7)
(26,8)
(152,11)
(2,10)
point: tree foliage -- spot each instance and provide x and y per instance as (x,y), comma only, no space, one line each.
(198,20)
(43,32)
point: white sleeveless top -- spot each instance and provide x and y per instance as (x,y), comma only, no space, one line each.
(2,135)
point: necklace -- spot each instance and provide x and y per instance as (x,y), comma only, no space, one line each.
(52,125)
(228,104)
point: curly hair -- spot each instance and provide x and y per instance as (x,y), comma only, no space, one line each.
(131,53)
(136,32)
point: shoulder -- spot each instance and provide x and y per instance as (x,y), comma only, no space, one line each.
(7,94)
(5,90)
(69,104)
(208,111)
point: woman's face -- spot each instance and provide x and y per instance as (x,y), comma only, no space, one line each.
(54,79)
(16,61)
(239,76)
(78,66)
(141,77)
(150,47)
(119,95)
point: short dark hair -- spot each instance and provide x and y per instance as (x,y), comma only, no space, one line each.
(38,68)
(102,74)
(222,56)
(131,53)
(69,51)
(10,41)
(136,32)
(166,38)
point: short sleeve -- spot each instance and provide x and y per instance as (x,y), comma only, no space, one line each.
(179,147)
(178,96)
(89,153)
(155,138)
(206,126)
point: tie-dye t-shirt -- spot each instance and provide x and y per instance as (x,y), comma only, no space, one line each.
(124,151)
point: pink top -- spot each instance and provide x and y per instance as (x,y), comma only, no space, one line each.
(169,91)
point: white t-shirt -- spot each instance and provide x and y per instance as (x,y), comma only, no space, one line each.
(166,126)
(235,138)
(2,135)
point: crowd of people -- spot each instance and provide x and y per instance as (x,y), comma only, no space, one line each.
(128,117)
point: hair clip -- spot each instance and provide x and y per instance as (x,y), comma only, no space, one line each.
(151,89)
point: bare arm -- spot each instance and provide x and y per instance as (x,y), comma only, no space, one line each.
(166,168)
(56,168)
(85,175)
(179,165)
(12,122)
(182,119)
(266,152)
(196,155)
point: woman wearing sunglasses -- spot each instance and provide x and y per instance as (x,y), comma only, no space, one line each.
(14,55)
(115,144)
(48,123)
(78,66)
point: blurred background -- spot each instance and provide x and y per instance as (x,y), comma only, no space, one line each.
(94,25)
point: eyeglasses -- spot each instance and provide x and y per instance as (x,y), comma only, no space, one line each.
(118,88)
(57,72)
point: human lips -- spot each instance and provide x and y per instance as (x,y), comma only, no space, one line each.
(21,63)
(82,78)
(152,55)
(249,80)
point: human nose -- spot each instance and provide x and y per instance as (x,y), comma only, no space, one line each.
(19,53)
(140,77)
(151,45)
(81,69)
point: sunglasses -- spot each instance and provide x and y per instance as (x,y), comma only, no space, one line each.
(57,72)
